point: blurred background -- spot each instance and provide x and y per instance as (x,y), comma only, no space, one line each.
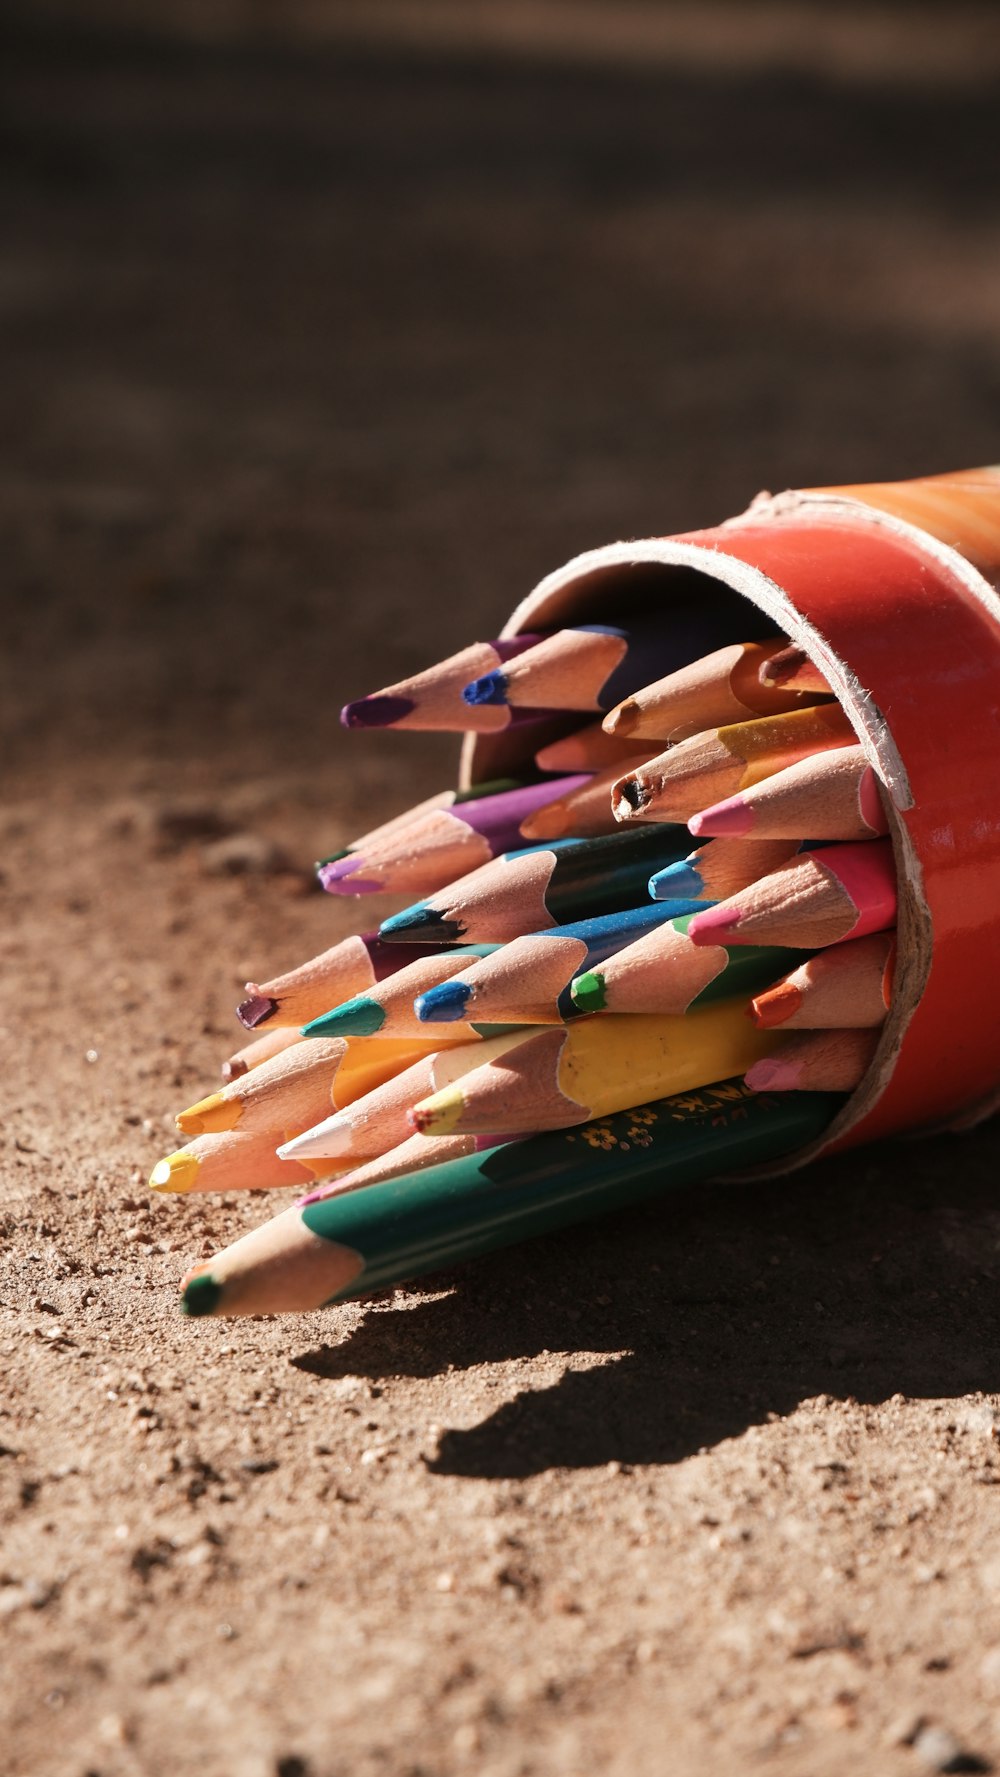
(329,328)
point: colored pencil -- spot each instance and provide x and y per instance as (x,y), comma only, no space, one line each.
(351,967)
(586,749)
(387,1010)
(540,887)
(816,1061)
(431,852)
(718,763)
(379,1120)
(235,1161)
(443,799)
(411,1155)
(819,898)
(433,699)
(527,981)
(662,972)
(849,986)
(593,666)
(261,1049)
(582,812)
(833,795)
(295,1088)
(424,1221)
(720,688)
(712,872)
(791,669)
(556,1077)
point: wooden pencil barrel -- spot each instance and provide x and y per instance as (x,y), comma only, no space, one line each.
(907,631)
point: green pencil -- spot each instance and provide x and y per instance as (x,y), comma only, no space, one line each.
(326,1250)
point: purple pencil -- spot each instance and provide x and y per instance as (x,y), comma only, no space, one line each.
(422,858)
(351,967)
(433,699)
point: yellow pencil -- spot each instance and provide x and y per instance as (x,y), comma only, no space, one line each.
(594,1067)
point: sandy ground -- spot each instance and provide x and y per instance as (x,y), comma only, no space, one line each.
(314,364)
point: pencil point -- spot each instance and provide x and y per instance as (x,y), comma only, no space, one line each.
(443,1004)
(326,1139)
(678,882)
(376,712)
(729,819)
(333,858)
(256,1009)
(775,1006)
(200,1294)
(341,877)
(209,1116)
(587,992)
(772,1074)
(621,720)
(233,1069)
(438,1114)
(714,926)
(490,689)
(421,924)
(178,1172)
(360,1017)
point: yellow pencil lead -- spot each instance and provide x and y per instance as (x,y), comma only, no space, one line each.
(438,1114)
(210,1116)
(178,1172)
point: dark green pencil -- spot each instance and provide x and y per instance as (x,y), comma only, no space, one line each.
(539,887)
(329,1249)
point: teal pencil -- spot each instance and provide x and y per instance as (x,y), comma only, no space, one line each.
(341,1247)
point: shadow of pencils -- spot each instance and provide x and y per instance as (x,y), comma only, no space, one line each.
(859,1279)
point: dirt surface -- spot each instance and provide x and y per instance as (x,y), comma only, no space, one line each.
(314,363)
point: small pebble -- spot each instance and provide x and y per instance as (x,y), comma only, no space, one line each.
(242,854)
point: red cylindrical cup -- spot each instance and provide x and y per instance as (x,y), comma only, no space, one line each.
(878,585)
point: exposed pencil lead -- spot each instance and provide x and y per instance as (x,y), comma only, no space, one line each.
(490,689)
(256,1009)
(200,1294)
(375,712)
(177,1172)
(443,1004)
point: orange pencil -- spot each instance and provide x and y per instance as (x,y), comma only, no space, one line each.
(848,986)
(719,689)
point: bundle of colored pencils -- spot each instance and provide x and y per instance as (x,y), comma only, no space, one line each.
(664,951)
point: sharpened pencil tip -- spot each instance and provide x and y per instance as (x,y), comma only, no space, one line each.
(622,719)
(438,1114)
(177,1172)
(775,1006)
(772,1074)
(445,1003)
(715,926)
(360,1017)
(587,992)
(490,689)
(200,1294)
(678,882)
(343,877)
(421,924)
(209,1116)
(375,712)
(730,819)
(256,1009)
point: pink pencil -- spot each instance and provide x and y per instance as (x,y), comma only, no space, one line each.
(817,898)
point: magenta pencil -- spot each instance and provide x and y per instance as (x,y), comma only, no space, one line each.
(817,898)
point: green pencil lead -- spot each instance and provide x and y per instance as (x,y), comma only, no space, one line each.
(360,1017)
(200,1295)
(587,992)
